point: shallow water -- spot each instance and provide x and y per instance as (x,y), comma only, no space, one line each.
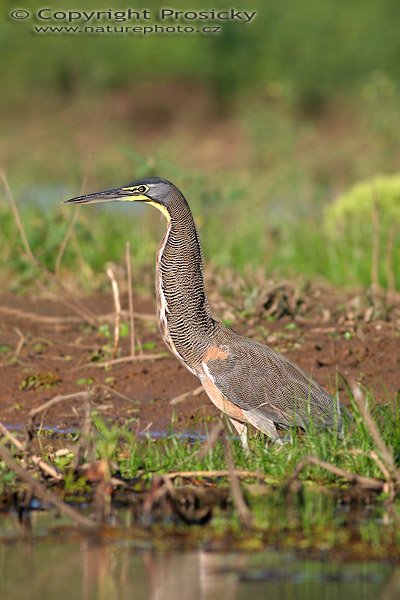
(53,430)
(36,566)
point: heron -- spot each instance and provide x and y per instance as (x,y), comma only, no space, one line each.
(248,381)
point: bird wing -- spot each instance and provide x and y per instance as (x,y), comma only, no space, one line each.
(256,378)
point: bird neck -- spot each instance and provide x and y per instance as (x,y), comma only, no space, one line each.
(183,309)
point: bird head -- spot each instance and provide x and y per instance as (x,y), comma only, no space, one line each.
(152,190)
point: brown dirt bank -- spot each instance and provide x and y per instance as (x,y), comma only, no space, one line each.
(330,331)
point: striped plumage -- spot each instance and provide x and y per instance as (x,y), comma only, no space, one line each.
(245,379)
(183,311)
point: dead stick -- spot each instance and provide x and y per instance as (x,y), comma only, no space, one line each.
(378,461)
(111,390)
(45,495)
(242,474)
(369,483)
(375,246)
(17,219)
(65,241)
(122,359)
(182,397)
(72,223)
(30,316)
(21,342)
(390,272)
(45,467)
(85,435)
(244,513)
(386,454)
(56,400)
(131,320)
(211,440)
(78,307)
(117,305)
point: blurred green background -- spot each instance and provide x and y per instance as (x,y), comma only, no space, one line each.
(263,127)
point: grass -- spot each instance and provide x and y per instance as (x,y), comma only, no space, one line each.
(269,198)
(310,519)
(330,54)
(137,456)
(99,237)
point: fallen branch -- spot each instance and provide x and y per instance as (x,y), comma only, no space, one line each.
(211,440)
(56,400)
(373,456)
(117,305)
(368,483)
(29,425)
(18,221)
(130,298)
(53,320)
(72,223)
(390,271)
(45,467)
(66,240)
(182,397)
(111,390)
(385,452)
(118,361)
(46,496)
(244,513)
(21,342)
(376,225)
(242,474)
(75,304)
(85,441)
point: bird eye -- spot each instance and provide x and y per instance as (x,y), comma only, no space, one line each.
(141,189)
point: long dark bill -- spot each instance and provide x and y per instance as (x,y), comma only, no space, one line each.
(106,196)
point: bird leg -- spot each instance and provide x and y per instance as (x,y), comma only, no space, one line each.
(241,428)
(264,425)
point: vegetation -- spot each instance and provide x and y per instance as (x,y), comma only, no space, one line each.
(276,53)
(276,132)
(307,518)
(286,248)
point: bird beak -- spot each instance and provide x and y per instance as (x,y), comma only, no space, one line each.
(115,195)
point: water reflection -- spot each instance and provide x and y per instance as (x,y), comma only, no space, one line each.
(67,567)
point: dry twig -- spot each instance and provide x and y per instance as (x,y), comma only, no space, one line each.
(17,219)
(85,437)
(241,473)
(244,513)
(75,305)
(65,241)
(385,452)
(131,319)
(195,392)
(211,440)
(375,247)
(117,305)
(45,495)
(52,320)
(72,223)
(30,424)
(121,359)
(56,400)
(390,272)
(45,467)
(21,342)
(369,483)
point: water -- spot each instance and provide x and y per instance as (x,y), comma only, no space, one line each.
(53,430)
(40,563)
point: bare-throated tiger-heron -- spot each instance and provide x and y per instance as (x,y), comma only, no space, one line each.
(248,381)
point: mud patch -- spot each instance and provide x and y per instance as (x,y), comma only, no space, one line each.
(40,360)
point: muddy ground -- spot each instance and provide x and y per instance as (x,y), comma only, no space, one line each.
(326,331)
